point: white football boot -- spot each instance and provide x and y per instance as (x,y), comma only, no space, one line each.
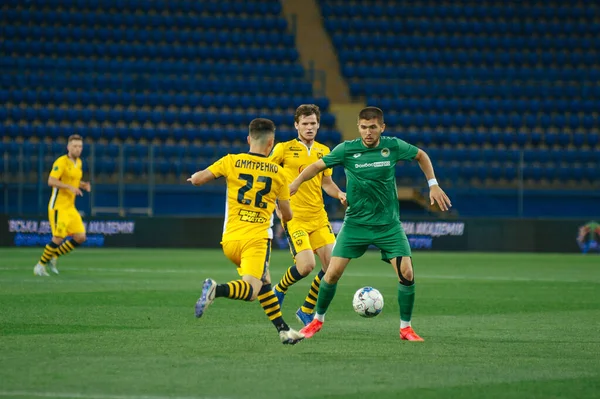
(52,264)
(208,296)
(290,337)
(40,270)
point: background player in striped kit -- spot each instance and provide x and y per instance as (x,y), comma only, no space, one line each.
(65,220)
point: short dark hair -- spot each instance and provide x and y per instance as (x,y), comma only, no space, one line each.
(74,137)
(307,110)
(261,127)
(371,113)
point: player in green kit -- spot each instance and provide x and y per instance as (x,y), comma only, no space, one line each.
(372,216)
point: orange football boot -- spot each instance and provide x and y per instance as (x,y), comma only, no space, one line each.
(408,334)
(312,328)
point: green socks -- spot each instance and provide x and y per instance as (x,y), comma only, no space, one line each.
(326,294)
(406,300)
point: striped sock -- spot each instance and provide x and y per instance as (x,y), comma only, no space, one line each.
(270,305)
(66,247)
(311,299)
(49,252)
(291,277)
(237,289)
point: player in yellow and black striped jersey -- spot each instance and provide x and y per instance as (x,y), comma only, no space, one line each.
(65,220)
(309,232)
(254,184)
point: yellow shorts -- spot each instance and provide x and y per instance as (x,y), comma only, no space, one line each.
(65,222)
(308,234)
(250,256)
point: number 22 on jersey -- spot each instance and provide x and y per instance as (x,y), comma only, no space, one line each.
(258,199)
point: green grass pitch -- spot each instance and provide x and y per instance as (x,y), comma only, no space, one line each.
(119,324)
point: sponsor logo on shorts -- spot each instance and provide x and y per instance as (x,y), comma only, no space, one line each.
(298,234)
(298,242)
(372,164)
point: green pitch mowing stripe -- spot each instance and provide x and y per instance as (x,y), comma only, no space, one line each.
(119,324)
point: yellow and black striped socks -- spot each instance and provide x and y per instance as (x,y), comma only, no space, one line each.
(291,277)
(66,247)
(270,305)
(237,289)
(49,252)
(311,299)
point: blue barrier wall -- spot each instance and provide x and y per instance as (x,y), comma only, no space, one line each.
(461,234)
(182,200)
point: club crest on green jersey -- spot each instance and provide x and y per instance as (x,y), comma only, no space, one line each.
(385,152)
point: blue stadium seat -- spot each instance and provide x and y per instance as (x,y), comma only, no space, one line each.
(592,172)
(593,139)
(112,150)
(106,166)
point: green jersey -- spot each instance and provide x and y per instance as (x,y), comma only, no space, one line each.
(371,178)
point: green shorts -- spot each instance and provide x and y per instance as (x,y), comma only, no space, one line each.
(352,241)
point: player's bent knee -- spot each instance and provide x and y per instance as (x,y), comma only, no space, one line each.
(255,292)
(305,268)
(336,269)
(332,276)
(256,285)
(80,238)
(406,269)
(305,262)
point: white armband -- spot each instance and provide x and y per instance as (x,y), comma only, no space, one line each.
(432,182)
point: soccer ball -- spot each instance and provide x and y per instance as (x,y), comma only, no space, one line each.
(367,302)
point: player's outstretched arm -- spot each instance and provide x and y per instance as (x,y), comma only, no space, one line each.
(436,194)
(285,210)
(201,177)
(311,171)
(333,190)
(54,182)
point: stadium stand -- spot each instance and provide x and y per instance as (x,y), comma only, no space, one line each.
(476,83)
(185,76)
(501,94)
